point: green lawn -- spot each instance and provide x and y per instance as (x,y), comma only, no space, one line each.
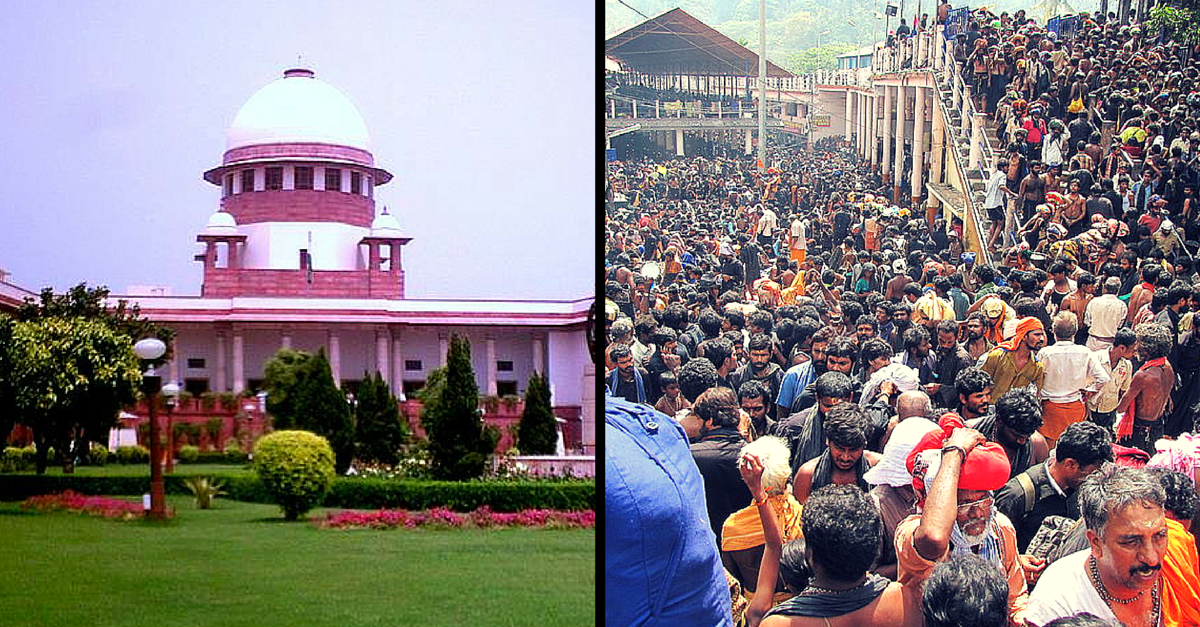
(241,565)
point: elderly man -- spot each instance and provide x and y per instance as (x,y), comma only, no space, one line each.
(1104,315)
(957,514)
(1140,411)
(1117,577)
(1071,373)
(1013,364)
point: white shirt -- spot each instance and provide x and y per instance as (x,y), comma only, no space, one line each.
(1070,593)
(1104,315)
(799,235)
(994,195)
(766,224)
(1069,369)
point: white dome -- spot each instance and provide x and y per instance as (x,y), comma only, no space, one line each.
(385,225)
(221,223)
(298,108)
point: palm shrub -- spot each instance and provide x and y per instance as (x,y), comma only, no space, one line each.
(379,432)
(206,489)
(296,467)
(459,441)
(538,433)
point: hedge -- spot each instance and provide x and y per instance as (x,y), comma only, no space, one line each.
(347,492)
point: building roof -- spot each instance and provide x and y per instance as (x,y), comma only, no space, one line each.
(200,310)
(677,43)
(298,108)
(861,52)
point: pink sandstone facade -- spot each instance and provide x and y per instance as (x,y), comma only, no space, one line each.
(297,256)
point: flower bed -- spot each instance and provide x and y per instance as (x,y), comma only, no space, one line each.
(440,517)
(103,506)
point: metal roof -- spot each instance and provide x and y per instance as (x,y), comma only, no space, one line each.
(677,43)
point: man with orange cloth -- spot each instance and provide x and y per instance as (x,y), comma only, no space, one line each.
(1014,364)
(1071,375)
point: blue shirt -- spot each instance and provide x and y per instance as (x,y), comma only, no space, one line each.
(794,381)
(661,563)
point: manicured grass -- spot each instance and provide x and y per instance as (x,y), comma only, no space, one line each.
(240,564)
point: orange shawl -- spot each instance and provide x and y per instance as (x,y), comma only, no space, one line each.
(1181,583)
(1024,326)
(743,529)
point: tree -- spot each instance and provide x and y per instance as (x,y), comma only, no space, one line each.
(281,374)
(538,433)
(379,432)
(82,302)
(459,441)
(321,407)
(69,378)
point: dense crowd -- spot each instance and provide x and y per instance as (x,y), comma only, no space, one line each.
(822,410)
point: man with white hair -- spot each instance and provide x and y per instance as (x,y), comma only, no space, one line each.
(742,539)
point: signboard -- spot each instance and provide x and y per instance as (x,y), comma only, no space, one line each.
(673,106)
(793,126)
(821,121)
(610,154)
(956,21)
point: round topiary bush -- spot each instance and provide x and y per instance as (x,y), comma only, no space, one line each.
(296,467)
(188,454)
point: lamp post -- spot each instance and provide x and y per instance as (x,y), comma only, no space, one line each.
(170,394)
(149,350)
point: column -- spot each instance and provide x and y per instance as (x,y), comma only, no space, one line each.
(679,142)
(966,110)
(976,152)
(749,142)
(538,361)
(938,141)
(873,130)
(900,133)
(443,348)
(334,346)
(219,384)
(382,354)
(918,143)
(635,108)
(491,364)
(285,338)
(176,372)
(398,359)
(887,132)
(239,371)
(849,108)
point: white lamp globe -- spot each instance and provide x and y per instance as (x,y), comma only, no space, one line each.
(150,349)
(170,390)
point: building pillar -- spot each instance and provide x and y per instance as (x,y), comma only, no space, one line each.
(966,111)
(176,372)
(900,133)
(232,246)
(679,142)
(443,348)
(239,370)
(382,354)
(873,130)
(936,152)
(918,144)
(219,384)
(398,359)
(334,346)
(749,142)
(635,108)
(538,360)
(976,153)
(849,109)
(887,132)
(285,338)
(491,364)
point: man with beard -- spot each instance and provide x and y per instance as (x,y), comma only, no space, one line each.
(840,356)
(759,368)
(716,455)
(845,460)
(720,353)
(916,350)
(1104,315)
(977,343)
(1140,412)
(753,399)
(626,380)
(962,469)
(798,377)
(948,360)
(1117,577)
(1071,375)
(865,328)
(1179,295)
(1102,407)
(665,358)
(805,430)
(973,389)
(1013,423)
(900,324)
(1013,364)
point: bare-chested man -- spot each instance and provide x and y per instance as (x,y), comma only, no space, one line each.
(1033,190)
(1142,292)
(1150,390)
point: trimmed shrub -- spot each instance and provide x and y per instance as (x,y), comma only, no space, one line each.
(97,454)
(189,454)
(297,469)
(13,460)
(133,455)
(538,432)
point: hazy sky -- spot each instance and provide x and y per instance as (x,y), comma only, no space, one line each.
(484,112)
